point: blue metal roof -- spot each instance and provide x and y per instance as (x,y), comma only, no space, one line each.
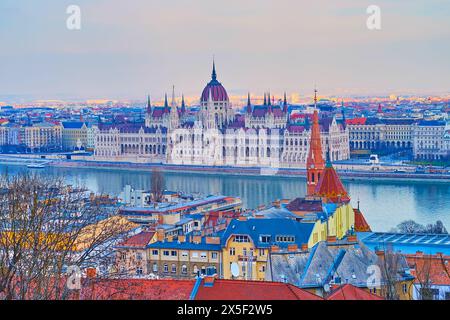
(407,243)
(185,245)
(254,228)
(72,124)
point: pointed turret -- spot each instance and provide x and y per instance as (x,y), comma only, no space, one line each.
(344,124)
(183,105)
(285,105)
(268,99)
(173,102)
(214,74)
(314,163)
(174,117)
(149,106)
(380,110)
(249,104)
(265,101)
(315,98)
(166,103)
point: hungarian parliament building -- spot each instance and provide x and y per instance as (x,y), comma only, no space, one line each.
(216,135)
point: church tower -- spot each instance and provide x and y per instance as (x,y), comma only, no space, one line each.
(314,163)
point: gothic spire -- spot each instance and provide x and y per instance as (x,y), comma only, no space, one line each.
(265,101)
(268,96)
(166,104)
(315,97)
(214,75)
(183,106)
(149,106)
(285,106)
(249,104)
(173,103)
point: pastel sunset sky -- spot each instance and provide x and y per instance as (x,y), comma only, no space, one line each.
(126,49)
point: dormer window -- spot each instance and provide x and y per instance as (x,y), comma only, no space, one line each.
(264,238)
(283,238)
(241,238)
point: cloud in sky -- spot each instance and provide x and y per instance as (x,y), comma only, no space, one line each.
(128,48)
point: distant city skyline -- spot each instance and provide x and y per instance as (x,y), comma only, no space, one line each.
(127,50)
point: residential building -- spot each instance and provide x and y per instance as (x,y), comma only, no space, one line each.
(186,256)
(432,273)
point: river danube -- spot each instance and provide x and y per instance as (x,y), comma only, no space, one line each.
(384,203)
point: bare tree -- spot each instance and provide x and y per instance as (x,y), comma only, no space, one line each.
(392,265)
(46,227)
(157,185)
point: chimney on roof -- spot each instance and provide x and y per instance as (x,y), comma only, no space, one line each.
(208,281)
(160,234)
(304,247)
(274,248)
(212,240)
(91,273)
(277,203)
(182,238)
(197,239)
(292,248)
(331,239)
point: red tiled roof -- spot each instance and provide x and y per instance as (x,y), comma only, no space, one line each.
(429,268)
(252,290)
(302,204)
(349,292)
(361,224)
(330,186)
(136,289)
(139,240)
(356,121)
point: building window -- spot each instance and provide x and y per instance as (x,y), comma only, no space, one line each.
(241,238)
(139,270)
(405,288)
(261,252)
(174,268)
(155,267)
(285,238)
(195,269)
(214,255)
(184,269)
(155,252)
(265,239)
(203,270)
(173,253)
(139,256)
(166,252)
(123,256)
(203,255)
(166,268)
(184,253)
(194,254)
(232,251)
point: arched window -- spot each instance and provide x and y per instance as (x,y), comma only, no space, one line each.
(195,269)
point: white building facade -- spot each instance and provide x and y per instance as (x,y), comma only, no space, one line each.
(216,136)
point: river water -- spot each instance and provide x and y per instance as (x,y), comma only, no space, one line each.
(385,203)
